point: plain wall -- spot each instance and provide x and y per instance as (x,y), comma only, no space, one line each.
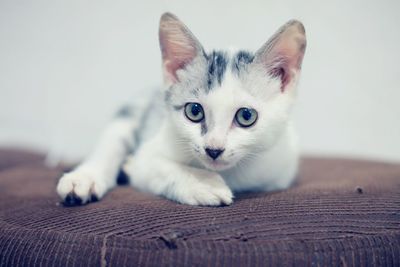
(66,67)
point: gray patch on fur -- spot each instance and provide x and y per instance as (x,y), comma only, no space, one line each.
(149,118)
(204,128)
(144,118)
(217,62)
(240,61)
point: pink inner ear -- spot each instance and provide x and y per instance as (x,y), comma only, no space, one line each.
(285,58)
(283,75)
(171,67)
(177,50)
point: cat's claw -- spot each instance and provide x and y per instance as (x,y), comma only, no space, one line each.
(72,200)
(78,188)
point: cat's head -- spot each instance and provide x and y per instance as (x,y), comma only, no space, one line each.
(228,106)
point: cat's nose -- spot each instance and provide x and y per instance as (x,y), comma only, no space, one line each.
(214,153)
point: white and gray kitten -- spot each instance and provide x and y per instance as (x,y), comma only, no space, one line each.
(220,125)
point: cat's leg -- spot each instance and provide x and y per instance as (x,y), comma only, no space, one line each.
(178,182)
(97,173)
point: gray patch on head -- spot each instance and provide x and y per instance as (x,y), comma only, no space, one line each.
(207,124)
(217,62)
(241,61)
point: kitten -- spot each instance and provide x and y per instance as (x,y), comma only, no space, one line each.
(221,125)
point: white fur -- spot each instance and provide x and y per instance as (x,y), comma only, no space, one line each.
(170,159)
(174,164)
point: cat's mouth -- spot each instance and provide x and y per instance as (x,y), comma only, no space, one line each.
(216,165)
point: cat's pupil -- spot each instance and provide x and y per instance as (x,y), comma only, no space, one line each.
(195,109)
(246,114)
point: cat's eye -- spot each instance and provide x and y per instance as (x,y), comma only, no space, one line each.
(194,112)
(246,117)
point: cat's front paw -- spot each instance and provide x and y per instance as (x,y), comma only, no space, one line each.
(210,192)
(79,187)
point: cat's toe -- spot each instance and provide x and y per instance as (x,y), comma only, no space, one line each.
(77,188)
(210,196)
(225,196)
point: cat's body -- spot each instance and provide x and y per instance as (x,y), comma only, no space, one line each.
(221,125)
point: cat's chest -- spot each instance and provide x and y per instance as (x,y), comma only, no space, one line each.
(253,177)
(268,172)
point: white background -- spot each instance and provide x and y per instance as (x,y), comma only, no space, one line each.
(66,66)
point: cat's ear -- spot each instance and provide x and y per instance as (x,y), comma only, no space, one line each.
(282,55)
(178,46)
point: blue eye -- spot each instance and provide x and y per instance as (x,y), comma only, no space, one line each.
(246,117)
(194,112)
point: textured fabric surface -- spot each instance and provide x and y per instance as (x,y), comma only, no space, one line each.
(339,213)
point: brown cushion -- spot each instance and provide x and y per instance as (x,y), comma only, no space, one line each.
(340,212)
(13,157)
